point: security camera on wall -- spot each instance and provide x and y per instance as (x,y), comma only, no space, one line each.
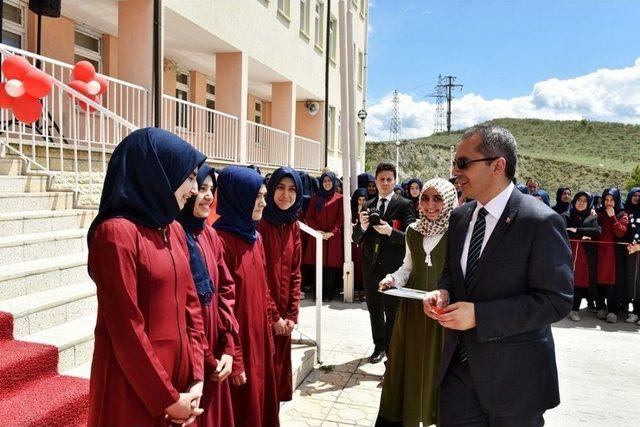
(313,107)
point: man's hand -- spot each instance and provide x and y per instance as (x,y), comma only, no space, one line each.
(327,236)
(279,327)
(290,326)
(572,229)
(610,211)
(460,316)
(387,283)
(383,228)
(184,410)
(632,248)
(438,298)
(586,238)
(364,220)
(238,380)
(223,370)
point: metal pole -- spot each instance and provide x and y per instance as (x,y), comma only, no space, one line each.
(327,56)
(158,63)
(452,150)
(351,83)
(398,159)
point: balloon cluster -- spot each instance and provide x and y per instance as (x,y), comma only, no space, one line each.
(88,83)
(24,88)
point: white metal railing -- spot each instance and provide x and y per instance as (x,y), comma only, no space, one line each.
(266,145)
(125,99)
(212,132)
(307,154)
(67,143)
(318,237)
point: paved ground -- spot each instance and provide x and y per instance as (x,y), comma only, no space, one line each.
(598,363)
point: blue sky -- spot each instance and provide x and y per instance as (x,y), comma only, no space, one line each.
(497,48)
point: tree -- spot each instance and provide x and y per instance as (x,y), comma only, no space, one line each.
(634,179)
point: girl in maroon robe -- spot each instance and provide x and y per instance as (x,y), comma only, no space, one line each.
(325,215)
(613,221)
(216,292)
(358,199)
(283,249)
(149,342)
(241,200)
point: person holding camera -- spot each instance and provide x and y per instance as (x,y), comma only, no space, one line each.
(381,236)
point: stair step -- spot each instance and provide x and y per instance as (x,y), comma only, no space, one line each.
(23,184)
(10,166)
(12,202)
(44,220)
(80,371)
(303,359)
(19,248)
(50,401)
(41,310)
(34,276)
(22,362)
(74,340)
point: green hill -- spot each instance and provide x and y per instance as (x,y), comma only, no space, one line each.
(581,154)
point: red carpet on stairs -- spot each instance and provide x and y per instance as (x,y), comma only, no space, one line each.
(31,391)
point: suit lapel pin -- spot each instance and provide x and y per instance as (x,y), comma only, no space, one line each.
(508,220)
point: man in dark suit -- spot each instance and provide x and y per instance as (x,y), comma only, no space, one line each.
(383,249)
(508,276)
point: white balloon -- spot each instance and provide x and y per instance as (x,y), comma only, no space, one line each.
(93,87)
(14,88)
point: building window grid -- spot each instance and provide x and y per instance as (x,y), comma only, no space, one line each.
(360,69)
(363,7)
(304,17)
(14,31)
(284,8)
(88,47)
(182,92)
(318,24)
(211,104)
(332,39)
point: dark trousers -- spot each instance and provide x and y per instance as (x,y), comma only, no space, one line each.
(578,294)
(330,276)
(632,280)
(608,292)
(459,404)
(382,309)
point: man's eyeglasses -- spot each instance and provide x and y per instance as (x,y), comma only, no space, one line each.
(462,163)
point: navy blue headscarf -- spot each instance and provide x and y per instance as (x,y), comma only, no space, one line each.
(309,186)
(324,195)
(560,206)
(238,188)
(408,190)
(192,226)
(360,192)
(617,199)
(630,207)
(272,212)
(364,178)
(144,172)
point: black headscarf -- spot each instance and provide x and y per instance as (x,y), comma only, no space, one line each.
(415,200)
(617,199)
(364,178)
(360,192)
(144,172)
(574,213)
(324,195)
(272,212)
(192,226)
(560,206)
(371,178)
(630,207)
(238,189)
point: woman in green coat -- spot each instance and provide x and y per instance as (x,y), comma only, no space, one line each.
(409,390)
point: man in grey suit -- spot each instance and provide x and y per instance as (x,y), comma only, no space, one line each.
(508,276)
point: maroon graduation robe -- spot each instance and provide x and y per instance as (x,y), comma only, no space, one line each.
(149,338)
(255,403)
(614,229)
(328,220)
(221,331)
(283,250)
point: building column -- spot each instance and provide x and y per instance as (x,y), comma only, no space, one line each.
(283,112)
(232,87)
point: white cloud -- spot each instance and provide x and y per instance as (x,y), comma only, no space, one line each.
(603,95)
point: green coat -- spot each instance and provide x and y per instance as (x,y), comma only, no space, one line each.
(409,391)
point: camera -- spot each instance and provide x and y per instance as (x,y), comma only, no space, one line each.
(374,216)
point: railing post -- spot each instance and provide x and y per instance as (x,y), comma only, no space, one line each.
(316,235)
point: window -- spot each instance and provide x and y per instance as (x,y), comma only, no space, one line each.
(13,24)
(211,104)
(258,112)
(182,92)
(88,47)
(304,16)
(360,68)
(284,8)
(331,128)
(332,39)
(359,138)
(318,24)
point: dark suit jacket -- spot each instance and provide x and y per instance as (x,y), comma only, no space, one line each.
(523,284)
(380,253)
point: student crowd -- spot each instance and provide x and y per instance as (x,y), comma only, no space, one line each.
(199,276)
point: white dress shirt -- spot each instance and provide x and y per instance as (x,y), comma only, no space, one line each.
(386,204)
(401,275)
(495,208)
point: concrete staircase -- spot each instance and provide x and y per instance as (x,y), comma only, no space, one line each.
(44,283)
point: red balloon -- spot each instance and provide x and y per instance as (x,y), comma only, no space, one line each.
(27,109)
(6,100)
(81,87)
(37,83)
(15,67)
(103,83)
(84,71)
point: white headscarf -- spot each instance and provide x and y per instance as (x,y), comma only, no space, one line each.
(447,191)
